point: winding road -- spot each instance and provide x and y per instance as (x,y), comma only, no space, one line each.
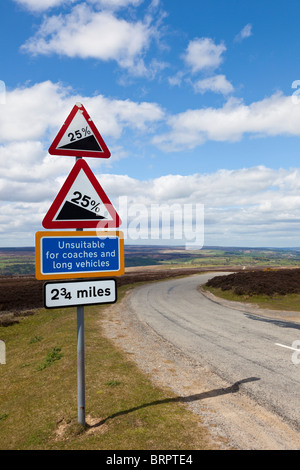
(240,347)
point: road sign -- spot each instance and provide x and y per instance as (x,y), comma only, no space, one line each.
(81,203)
(79,137)
(79,254)
(73,293)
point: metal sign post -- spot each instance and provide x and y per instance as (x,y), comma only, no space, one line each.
(80,358)
(80,366)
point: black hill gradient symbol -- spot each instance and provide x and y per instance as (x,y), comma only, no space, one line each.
(87,143)
(71,211)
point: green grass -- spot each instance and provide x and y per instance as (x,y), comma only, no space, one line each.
(53,355)
(288,302)
(38,392)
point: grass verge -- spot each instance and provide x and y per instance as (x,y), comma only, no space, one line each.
(288,302)
(38,392)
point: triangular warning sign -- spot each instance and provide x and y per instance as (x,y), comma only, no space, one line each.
(81,203)
(79,137)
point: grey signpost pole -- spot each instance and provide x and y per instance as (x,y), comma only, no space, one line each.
(80,365)
(80,360)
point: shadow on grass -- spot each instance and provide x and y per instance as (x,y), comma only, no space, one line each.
(198,396)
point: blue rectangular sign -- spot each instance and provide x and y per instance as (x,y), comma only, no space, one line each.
(63,255)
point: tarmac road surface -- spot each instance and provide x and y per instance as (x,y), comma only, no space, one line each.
(237,345)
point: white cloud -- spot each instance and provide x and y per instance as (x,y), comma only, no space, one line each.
(246,32)
(27,162)
(36,112)
(176,80)
(29,111)
(41,5)
(85,33)
(275,115)
(251,206)
(115,4)
(204,54)
(217,84)
(256,206)
(246,206)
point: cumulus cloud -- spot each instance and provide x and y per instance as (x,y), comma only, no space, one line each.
(31,110)
(256,206)
(241,207)
(34,112)
(115,4)
(101,35)
(246,32)
(42,5)
(275,115)
(216,84)
(203,53)
(203,56)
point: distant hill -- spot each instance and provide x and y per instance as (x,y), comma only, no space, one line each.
(21,260)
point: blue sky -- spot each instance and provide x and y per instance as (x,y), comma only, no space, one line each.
(197,102)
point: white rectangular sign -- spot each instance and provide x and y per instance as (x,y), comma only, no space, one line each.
(72,293)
